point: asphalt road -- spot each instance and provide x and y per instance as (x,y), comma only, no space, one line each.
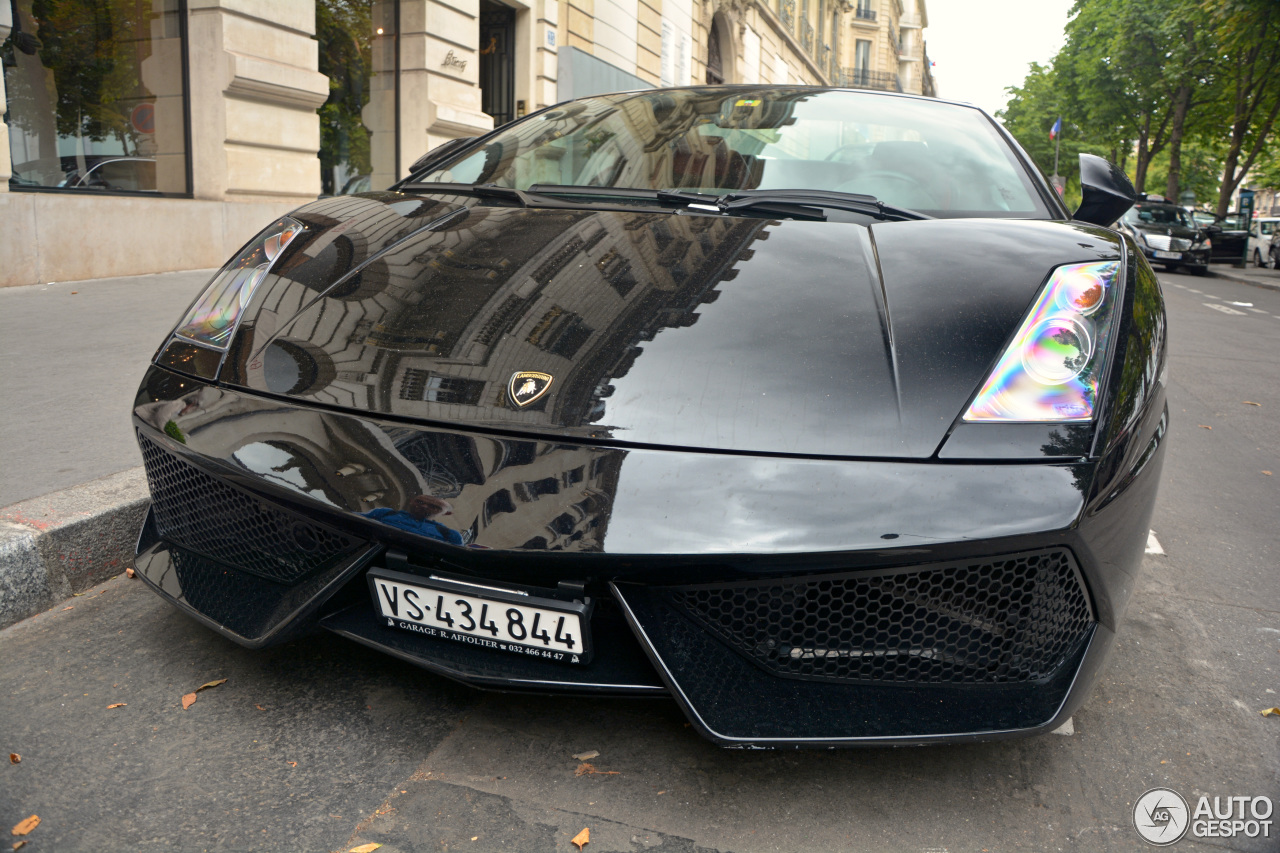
(320,745)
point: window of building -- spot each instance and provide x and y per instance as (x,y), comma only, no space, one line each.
(862,56)
(97,97)
(359,53)
(424,385)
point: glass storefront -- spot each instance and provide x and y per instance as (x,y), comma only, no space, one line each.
(96,95)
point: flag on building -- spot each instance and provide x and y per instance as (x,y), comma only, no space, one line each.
(1056,129)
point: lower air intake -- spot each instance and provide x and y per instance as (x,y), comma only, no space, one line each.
(198,512)
(1006,620)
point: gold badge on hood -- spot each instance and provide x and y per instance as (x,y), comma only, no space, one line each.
(528,385)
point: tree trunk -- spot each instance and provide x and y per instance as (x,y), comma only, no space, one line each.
(1144,157)
(1181,105)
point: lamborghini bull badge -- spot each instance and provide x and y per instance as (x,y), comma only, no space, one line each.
(528,385)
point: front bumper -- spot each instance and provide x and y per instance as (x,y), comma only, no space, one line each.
(891,620)
(1190,258)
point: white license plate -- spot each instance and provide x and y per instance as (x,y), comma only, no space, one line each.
(1175,256)
(487,617)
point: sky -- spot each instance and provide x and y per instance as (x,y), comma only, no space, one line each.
(982,46)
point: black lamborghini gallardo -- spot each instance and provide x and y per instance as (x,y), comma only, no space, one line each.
(813,409)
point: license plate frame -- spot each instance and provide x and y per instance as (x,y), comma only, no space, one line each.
(576,614)
(1167,256)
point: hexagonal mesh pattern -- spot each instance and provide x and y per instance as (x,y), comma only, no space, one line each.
(1010,619)
(196,511)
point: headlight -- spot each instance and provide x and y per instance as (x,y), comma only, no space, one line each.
(1052,370)
(212,320)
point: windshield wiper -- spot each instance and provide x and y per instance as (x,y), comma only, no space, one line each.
(524,198)
(710,202)
(796,204)
(853,202)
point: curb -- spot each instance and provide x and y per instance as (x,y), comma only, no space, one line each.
(1256,281)
(54,546)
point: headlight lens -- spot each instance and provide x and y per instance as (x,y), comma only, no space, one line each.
(1052,370)
(213,318)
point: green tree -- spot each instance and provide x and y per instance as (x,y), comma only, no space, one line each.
(1248,89)
(344,30)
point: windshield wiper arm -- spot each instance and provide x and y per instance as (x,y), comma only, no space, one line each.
(853,202)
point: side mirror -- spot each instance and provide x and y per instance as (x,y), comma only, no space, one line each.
(1213,228)
(1107,192)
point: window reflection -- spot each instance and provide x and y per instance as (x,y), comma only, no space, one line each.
(96,99)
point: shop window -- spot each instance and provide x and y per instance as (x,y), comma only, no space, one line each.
(360,122)
(96,96)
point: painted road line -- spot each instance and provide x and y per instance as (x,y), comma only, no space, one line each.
(1224,309)
(1153,544)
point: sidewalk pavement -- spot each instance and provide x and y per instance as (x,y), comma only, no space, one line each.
(72,493)
(1257,276)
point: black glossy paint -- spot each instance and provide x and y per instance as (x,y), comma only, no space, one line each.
(661,329)
(734,398)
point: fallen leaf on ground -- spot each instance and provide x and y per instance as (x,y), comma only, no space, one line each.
(585,769)
(1251,403)
(130,573)
(27,825)
(365,848)
(69,607)
(14,758)
(582,839)
(260,708)
(117,705)
(19,844)
(1270,712)
(293,764)
(587,756)
(1204,426)
(209,684)
(1268,473)
(475,838)
(188,700)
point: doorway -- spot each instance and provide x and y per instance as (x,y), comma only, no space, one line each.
(497,61)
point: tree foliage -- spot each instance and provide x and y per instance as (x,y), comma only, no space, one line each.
(344,30)
(1183,94)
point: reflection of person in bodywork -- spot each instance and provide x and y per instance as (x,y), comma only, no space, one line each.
(419,518)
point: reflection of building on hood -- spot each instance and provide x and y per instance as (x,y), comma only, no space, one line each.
(419,519)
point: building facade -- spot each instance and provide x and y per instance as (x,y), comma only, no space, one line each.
(143,136)
(883,47)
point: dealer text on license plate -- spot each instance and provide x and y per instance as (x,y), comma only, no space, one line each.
(1173,256)
(483,616)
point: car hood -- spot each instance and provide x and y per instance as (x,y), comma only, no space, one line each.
(722,333)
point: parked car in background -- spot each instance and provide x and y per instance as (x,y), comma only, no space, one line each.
(1167,235)
(1261,236)
(129,174)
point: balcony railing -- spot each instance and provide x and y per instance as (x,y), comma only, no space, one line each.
(806,37)
(862,78)
(863,14)
(787,13)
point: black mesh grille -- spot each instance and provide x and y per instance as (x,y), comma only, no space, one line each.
(196,511)
(1006,620)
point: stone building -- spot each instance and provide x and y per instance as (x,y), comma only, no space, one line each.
(142,136)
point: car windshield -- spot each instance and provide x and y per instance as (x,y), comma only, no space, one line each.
(1158,214)
(942,159)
